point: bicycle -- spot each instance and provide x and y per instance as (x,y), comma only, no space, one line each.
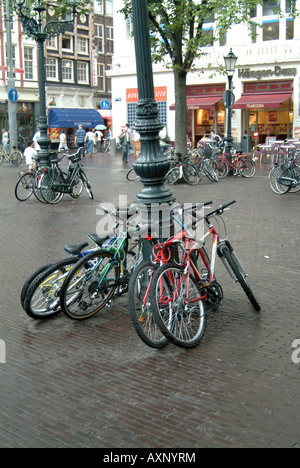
(182,169)
(203,165)
(286,177)
(180,294)
(55,183)
(167,151)
(14,156)
(240,164)
(99,276)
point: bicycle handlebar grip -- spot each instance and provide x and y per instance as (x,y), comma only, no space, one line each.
(227,204)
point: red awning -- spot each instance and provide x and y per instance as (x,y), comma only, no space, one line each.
(205,102)
(261,101)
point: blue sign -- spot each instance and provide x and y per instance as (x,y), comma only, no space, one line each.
(104,104)
(13,95)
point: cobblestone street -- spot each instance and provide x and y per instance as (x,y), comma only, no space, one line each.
(96,384)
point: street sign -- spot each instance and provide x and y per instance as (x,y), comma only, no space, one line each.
(104,104)
(228,98)
(13,95)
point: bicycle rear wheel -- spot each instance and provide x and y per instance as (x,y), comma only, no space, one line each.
(47,190)
(140,308)
(90,285)
(30,279)
(179,314)
(210,172)
(24,186)
(220,167)
(190,173)
(275,173)
(246,167)
(15,158)
(86,183)
(173,175)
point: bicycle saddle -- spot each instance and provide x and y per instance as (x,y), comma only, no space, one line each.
(99,240)
(75,249)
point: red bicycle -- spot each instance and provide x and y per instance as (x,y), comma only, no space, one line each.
(240,164)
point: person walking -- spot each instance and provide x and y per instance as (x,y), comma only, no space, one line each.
(35,137)
(136,144)
(4,139)
(80,137)
(29,155)
(99,136)
(62,142)
(90,140)
(125,140)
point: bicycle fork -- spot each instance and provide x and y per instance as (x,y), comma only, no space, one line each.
(227,245)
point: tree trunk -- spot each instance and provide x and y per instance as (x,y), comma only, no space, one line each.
(180,112)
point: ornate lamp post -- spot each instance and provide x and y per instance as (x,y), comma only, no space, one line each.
(40,31)
(230,62)
(151,165)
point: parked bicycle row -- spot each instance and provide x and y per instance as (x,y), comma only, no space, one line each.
(13,156)
(169,295)
(285,177)
(49,184)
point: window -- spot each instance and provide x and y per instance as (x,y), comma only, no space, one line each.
(100,76)
(52,43)
(109,40)
(289,28)
(222,37)
(82,72)
(269,6)
(270,30)
(51,68)
(82,45)
(67,43)
(108,80)
(290,6)
(207,37)
(67,70)
(28,63)
(109,8)
(98,7)
(98,33)
(253,32)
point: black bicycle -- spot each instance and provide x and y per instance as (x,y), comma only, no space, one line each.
(54,183)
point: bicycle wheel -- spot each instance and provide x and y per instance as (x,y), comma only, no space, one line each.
(190,174)
(172,176)
(210,172)
(275,173)
(236,269)
(30,279)
(178,313)
(90,285)
(132,175)
(220,167)
(37,186)
(47,191)
(1,157)
(77,188)
(246,167)
(140,308)
(42,297)
(24,186)
(86,184)
(15,158)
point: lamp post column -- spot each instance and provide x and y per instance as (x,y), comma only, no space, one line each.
(229,139)
(43,140)
(152,166)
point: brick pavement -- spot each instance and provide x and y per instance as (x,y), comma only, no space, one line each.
(95,384)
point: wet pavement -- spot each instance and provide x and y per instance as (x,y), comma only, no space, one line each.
(95,384)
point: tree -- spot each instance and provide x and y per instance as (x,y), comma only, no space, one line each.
(177,35)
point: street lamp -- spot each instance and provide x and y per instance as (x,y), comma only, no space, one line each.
(151,165)
(37,29)
(230,62)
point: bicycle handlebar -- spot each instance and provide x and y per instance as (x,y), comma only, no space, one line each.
(219,210)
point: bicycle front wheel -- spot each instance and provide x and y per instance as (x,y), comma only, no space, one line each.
(210,172)
(246,167)
(172,176)
(190,174)
(275,174)
(132,175)
(177,307)
(140,307)
(47,190)
(87,185)
(220,167)
(15,158)
(24,187)
(90,285)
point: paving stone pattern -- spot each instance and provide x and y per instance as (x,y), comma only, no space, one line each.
(95,384)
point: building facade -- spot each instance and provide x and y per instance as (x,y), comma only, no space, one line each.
(265,82)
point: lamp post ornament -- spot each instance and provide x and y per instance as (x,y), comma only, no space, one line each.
(38,29)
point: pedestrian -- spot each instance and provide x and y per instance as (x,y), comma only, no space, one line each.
(99,136)
(90,140)
(29,155)
(62,141)
(136,144)
(4,139)
(125,141)
(80,137)
(35,137)
(215,138)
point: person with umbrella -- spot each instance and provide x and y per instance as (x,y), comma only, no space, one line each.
(99,136)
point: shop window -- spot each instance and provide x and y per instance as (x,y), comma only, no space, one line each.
(270,7)
(289,28)
(270,30)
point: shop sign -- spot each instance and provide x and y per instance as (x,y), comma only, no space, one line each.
(160,94)
(266,73)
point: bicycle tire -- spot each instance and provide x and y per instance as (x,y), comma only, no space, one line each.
(86,289)
(86,184)
(30,279)
(275,173)
(220,167)
(141,314)
(47,191)
(239,276)
(246,167)
(77,188)
(42,297)
(37,185)
(16,158)
(183,324)
(172,176)
(1,158)
(190,174)
(24,186)
(210,172)
(132,175)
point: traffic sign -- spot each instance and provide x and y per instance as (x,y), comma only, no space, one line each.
(104,104)
(228,98)
(13,95)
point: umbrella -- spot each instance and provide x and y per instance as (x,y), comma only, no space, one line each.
(100,127)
